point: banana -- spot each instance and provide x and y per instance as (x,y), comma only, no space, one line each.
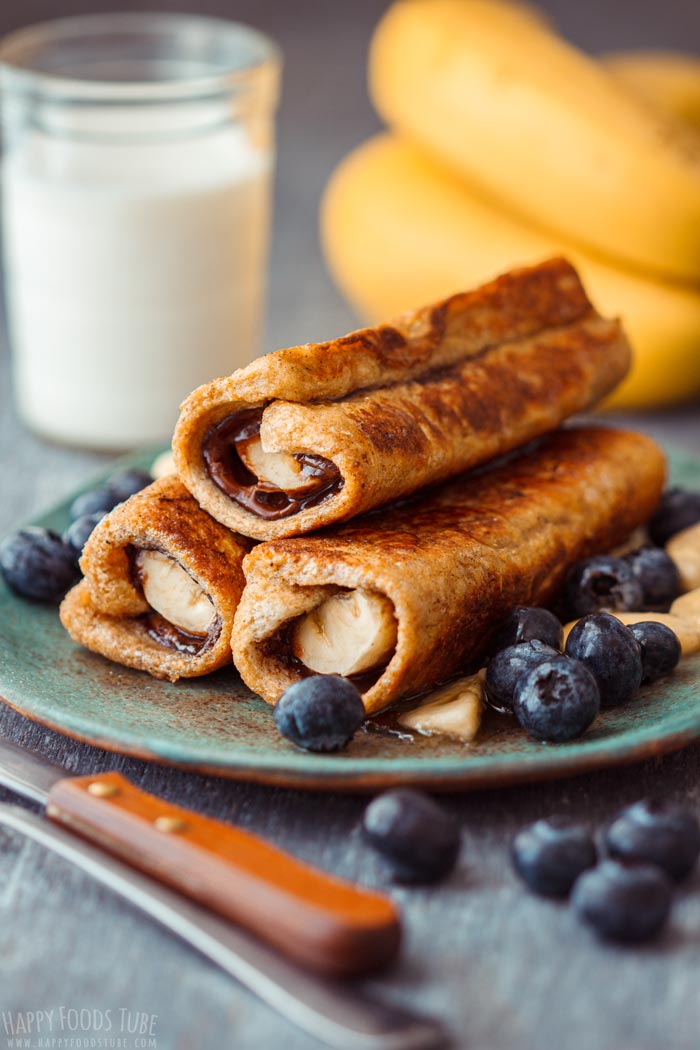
(687,607)
(399,229)
(665,79)
(495,93)
(278,469)
(163,465)
(454,710)
(170,590)
(347,634)
(684,550)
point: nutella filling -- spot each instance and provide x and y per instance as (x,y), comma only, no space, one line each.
(227,447)
(172,637)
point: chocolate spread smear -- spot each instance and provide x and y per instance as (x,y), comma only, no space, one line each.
(172,637)
(228,472)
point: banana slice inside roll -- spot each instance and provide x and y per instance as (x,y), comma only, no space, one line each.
(347,634)
(279,470)
(171,591)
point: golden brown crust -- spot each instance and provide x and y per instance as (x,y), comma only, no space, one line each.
(453,562)
(399,406)
(105,611)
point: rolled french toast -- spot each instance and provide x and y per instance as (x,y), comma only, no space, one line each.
(405,598)
(161,584)
(317,434)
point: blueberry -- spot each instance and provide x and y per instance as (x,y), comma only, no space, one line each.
(678,510)
(37,564)
(557,700)
(550,854)
(623,902)
(507,666)
(97,501)
(660,647)
(656,833)
(320,713)
(128,482)
(77,534)
(417,838)
(527,624)
(658,575)
(611,653)
(603,582)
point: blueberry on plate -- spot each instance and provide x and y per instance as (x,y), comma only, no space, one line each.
(603,582)
(97,501)
(320,713)
(417,838)
(660,647)
(611,653)
(527,624)
(658,575)
(557,700)
(623,902)
(678,510)
(128,482)
(37,564)
(657,833)
(78,533)
(550,854)
(507,666)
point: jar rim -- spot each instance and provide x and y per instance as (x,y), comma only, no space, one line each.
(226,55)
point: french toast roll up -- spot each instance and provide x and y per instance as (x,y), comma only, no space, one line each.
(320,433)
(406,598)
(161,583)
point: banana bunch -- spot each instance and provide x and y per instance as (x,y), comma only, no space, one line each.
(507,146)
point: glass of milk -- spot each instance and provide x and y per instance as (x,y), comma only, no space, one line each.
(138,152)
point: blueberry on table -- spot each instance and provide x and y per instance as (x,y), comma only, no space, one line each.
(527,624)
(37,564)
(550,854)
(678,510)
(417,838)
(78,533)
(320,713)
(97,501)
(656,833)
(661,649)
(621,902)
(508,665)
(603,582)
(611,653)
(557,700)
(128,482)
(658,575)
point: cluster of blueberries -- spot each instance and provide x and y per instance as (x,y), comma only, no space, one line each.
(556,695)
(40,565)
(623,890)
(627,895)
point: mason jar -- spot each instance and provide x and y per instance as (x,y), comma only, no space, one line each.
(138,153)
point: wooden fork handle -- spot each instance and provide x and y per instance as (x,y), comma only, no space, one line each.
(315,918)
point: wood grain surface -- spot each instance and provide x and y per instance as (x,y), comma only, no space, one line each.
(505,970)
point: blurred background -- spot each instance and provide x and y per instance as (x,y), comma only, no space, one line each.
(325,111)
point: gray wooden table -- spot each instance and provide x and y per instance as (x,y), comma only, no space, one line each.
(504,969)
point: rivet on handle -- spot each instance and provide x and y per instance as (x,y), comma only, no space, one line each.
(101,789)
(172,824)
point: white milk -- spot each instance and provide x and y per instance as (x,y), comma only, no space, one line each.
(134,273)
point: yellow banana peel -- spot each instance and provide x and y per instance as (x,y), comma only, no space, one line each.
(493,92)
(668,80)
(398,230)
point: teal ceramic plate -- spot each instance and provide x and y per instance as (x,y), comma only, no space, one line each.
(216,725)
